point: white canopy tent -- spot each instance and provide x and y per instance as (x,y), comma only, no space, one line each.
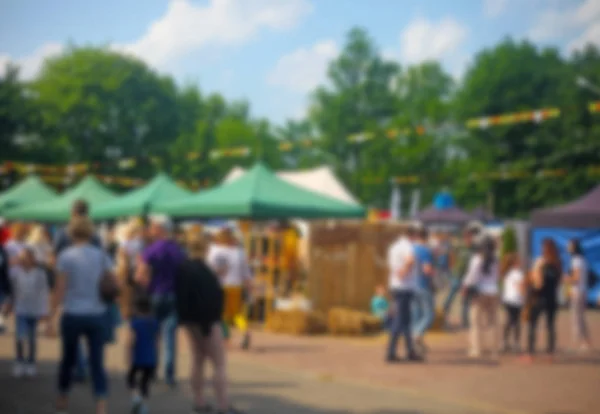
(321,180)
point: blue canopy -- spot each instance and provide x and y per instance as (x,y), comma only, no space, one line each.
(443,200)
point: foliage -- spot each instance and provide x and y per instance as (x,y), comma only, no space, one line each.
(509,241)
(95,105)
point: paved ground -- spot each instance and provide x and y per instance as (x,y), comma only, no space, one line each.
(289,375)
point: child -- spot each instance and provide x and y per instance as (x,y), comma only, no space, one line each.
(380,306)
(513,298)
(143,343)
(30,292)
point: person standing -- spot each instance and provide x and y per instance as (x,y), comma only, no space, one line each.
(228,259)
(481,282)
(578,280)
(142,346)
(30,304)
(200,305)
(424,303)
(463,253)
(5,285)
(402,284)
(156,273)
(544,283)
(80,271)
(513,298)
(62,240)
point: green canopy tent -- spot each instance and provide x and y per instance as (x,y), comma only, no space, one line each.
(59,209)
(259,194)
(140,202)
(31,190)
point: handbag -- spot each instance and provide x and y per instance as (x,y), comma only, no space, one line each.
(109,287)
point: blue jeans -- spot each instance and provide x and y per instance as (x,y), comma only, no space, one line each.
(164,311)
(401,323)
(112,319)
(455,285)
(72,329)
(26,332)
(423,311)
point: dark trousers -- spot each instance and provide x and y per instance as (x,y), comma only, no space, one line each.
(539,307)
(26,333)
(92,329)
(513,324)
(145,375)
(401,323)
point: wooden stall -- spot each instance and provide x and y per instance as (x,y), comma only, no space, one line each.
(347,262)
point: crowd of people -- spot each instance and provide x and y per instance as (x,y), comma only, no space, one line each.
(420,263)
(84,282)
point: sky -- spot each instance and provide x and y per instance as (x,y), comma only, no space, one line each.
(273,53)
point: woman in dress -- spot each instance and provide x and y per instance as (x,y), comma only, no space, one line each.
(578,280)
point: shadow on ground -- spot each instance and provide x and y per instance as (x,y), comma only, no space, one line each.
(35,396)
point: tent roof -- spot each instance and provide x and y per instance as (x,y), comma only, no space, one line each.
(28,191)
(59,209)
(138,202)
(451,215)
(260,194)
(320,180)
(581,213)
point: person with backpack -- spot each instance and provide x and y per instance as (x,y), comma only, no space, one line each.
(578,280)
(200,303)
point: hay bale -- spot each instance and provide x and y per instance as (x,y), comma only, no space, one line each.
(296,322)
(349,322)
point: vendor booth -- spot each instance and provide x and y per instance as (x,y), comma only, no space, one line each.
(579,219)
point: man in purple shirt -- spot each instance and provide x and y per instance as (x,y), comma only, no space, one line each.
(156,272)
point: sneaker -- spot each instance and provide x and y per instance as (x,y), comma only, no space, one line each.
(136,405)
(18,370)
(30,370)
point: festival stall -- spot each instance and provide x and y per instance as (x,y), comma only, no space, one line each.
(31,190)
(579,219)
(141,201)
(320,180)
(59,209)
(444,213)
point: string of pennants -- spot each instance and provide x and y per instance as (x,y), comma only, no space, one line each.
(592,171)
(537,116)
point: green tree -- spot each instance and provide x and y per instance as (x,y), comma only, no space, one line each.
(93,99)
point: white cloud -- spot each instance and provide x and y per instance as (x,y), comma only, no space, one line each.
(424,39)
(31,64)
(494,8)
(304,69)
(186,27)
(578,20)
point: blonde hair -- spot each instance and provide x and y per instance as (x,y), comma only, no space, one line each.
(197,246)
(37,235)
(80,228)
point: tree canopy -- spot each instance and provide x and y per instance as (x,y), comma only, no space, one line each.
(373,119)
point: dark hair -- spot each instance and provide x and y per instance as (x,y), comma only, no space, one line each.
(80,208)
(143,305)
(550,253)
(423,234)
(488,250)
(576,245)
(410,231)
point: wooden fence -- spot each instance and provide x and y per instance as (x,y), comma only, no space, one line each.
(347,262)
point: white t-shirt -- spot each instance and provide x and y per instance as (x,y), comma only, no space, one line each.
(133,248)
(578,262)
(14,248)
(486,284)
(513,293)
(398,253)
(30,291)
(233,260)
